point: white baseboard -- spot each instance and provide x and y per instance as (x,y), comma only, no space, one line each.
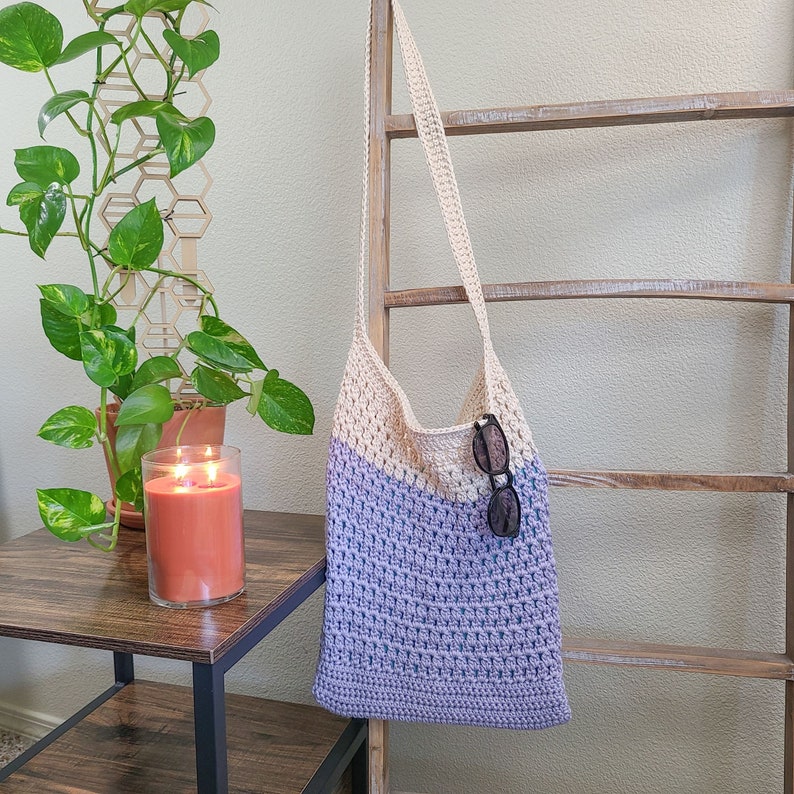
(32,724)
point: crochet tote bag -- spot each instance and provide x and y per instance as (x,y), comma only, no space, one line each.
(429,616)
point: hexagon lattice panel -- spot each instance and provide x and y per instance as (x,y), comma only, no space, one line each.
(162,322)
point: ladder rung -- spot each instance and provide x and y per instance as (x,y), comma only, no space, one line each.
(751,291)
(685,658)
(755,482)
(606,113)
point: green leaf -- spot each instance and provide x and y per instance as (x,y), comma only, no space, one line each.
(46,164)
(30,37)
(62,331)
(23,193)
(137,239)
(129,488)
(235,341)
(149,404)
(58,104)
(99,314)
(73,427)
(215,386)
(107,354)
(252,406)
(284,407)
(86,43)
(132,441)
(122,387)
(42,212)
(44,218)
(68,300)
(217,352)
(156,370)
(197,53)
(71,514)
(145,107)
(184,144)
(107,314)
(141,7)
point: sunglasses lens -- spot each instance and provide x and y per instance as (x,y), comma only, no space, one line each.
(490,450)
(504,512)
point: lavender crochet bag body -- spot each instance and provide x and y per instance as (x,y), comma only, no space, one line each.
(428,615)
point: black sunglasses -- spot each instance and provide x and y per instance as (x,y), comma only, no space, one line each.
(492,455)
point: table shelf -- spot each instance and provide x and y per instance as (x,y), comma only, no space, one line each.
(142,736)
(141,740)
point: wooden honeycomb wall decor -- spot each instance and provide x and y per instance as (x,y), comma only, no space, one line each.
(182,201)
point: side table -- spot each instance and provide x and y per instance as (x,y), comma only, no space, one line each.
(137,736)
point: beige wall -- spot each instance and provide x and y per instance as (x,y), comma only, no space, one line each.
(631,384)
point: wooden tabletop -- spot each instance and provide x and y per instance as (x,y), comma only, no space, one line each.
(75,595)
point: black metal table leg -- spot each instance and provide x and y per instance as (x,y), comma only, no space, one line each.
(209,712)
(124,668)
(360,769)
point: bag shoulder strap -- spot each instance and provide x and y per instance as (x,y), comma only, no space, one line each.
(431,133)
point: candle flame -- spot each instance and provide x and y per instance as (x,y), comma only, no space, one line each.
(180,473)
(208,452)
(212,473)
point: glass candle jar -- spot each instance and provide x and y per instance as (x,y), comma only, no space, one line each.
(193,508)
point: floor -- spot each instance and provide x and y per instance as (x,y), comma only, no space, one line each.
(11,746)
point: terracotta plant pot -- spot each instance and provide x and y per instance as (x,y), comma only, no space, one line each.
(203,424)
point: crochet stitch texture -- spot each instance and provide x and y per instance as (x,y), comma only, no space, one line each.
(429,616)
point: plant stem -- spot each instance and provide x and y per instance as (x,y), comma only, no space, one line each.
(90,11)
(129,69)
(113,537)
(82,233)
(109,298)
(86,215)
(139,161)
(197,405)
(101,252)
(155,51)
(106,286)
(107,176)
(112,12)
(77,223)
(103,434)
(80,131)
(94,164)
(171,84)
(178,80)
(182,346)
(103,75)
(25,234)
(190,280)
(144,305)
(102,128)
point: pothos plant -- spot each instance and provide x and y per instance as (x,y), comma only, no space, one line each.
(55,200)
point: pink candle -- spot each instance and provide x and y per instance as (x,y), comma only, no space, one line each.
(194,535)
